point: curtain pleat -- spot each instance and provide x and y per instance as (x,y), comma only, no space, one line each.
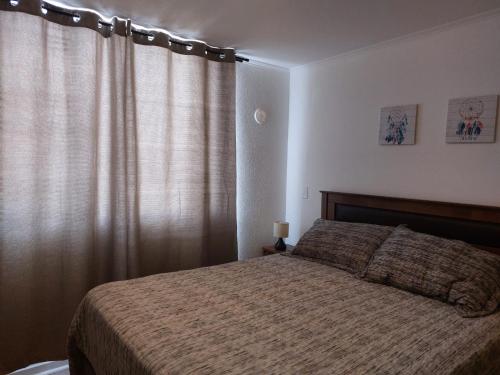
(117,161)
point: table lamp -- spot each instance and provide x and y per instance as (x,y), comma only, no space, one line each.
(280,230)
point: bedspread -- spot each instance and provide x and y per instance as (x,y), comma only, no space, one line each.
(274,314)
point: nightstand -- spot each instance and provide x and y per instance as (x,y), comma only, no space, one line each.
(269,250)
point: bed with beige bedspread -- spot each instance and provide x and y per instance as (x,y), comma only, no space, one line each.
(274,315)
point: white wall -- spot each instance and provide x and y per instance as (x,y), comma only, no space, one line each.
(334,119)
(261,153)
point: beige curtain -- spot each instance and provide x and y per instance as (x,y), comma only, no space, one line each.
(117,161)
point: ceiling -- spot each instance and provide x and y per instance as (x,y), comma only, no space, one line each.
(291,32)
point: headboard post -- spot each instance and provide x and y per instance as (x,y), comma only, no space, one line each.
(324,206)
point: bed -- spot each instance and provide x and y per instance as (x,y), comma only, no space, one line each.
(285,314)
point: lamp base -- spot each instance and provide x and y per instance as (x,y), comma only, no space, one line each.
(280,245)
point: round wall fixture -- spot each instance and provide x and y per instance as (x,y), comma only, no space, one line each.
(260,116)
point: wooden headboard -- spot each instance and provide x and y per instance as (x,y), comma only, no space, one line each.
(477,225)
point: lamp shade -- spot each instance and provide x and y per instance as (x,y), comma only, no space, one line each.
(280,229)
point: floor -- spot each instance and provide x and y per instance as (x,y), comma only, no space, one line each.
(45,368)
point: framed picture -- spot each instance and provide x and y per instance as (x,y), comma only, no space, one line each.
(397,125)
(472,120)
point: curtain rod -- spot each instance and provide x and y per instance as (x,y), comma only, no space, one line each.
(70,16)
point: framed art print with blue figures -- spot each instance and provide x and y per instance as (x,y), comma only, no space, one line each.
(397,125)
(472,120)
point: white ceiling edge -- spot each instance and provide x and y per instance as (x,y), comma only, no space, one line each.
(403,38)
(265,63)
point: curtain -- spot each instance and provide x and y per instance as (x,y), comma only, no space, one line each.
(117,161)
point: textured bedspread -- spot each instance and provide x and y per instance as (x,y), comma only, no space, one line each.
(275,314)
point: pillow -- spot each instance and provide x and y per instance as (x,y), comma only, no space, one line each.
(348,246)
(448,270)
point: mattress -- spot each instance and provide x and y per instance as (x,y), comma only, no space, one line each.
(275,314)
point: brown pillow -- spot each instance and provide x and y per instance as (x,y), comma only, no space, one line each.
(348,246)
(448,270)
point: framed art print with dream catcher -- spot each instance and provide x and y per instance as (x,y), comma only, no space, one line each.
(472,120)
(397,125)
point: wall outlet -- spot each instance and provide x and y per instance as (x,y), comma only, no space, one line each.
(305,192)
